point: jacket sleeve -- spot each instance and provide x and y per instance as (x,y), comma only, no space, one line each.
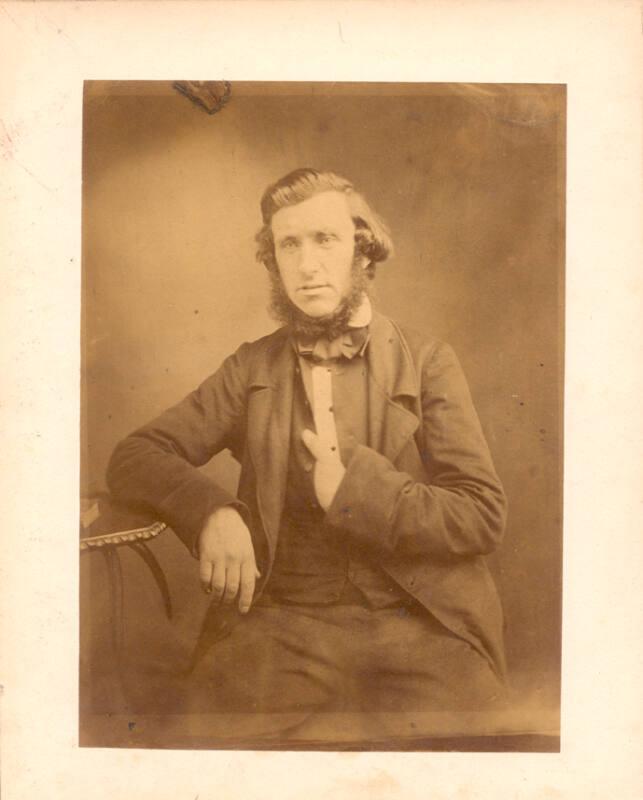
(459,510)
(156,467)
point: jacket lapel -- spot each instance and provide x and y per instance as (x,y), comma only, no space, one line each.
(269,422)
(392,380)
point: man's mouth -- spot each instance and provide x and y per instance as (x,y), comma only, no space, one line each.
(309,287)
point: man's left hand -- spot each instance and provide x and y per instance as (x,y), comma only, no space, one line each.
(329,470)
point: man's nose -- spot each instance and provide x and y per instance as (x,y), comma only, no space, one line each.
(309,260)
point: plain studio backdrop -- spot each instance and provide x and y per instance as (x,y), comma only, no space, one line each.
(470,179)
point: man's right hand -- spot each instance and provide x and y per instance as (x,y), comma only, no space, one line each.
(227,559)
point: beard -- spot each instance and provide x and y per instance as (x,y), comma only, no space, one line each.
(329,326)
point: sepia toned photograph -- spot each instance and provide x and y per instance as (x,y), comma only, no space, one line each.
(322,415)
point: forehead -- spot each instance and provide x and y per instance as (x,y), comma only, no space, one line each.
(321,211)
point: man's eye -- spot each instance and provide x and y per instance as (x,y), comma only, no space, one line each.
(288,245)
(324,238)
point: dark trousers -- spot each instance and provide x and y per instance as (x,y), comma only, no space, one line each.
(298,658)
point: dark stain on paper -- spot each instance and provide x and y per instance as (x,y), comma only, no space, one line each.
(211,96)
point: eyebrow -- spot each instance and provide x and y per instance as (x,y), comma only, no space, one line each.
(326,232)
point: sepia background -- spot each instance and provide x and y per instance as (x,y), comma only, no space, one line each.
(471,181)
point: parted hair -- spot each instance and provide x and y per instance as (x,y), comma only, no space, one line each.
(372,238)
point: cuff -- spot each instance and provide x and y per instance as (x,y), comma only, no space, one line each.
(188,508)
(366,500)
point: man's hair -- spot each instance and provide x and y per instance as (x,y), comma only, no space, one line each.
(372,238)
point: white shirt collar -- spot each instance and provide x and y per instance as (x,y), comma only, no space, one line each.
(362,315)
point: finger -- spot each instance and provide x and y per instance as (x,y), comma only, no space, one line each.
(231,582)
(218,579)
(205,574)
(311,440)
(248,575)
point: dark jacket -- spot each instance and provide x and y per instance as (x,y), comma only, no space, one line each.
(424,497)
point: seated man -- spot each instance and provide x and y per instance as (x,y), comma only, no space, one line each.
(354,552)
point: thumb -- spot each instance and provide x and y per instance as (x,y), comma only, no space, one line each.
(311,440)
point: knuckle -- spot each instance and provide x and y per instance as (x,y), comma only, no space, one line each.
(229,595)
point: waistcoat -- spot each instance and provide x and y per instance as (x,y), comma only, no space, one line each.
(315,563)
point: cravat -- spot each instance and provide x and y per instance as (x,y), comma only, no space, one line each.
(348,344)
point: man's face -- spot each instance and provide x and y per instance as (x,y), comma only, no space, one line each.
(314,248)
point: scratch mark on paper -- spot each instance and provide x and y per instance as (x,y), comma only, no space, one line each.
(11,18)
(31,175)
(61,32)
(7,150)
(341,35)
(7,137)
